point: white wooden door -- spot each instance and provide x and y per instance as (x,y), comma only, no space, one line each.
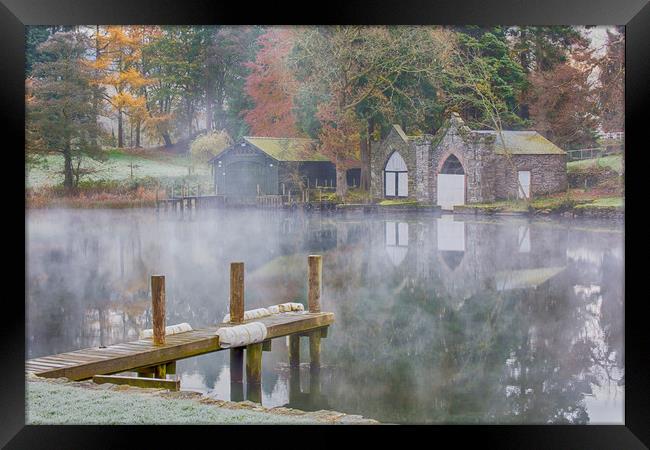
(524,182)
(390,184)
(451,190)
(402,184)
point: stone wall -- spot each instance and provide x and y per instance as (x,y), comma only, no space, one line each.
(381,153)
(547,174)
(474,151)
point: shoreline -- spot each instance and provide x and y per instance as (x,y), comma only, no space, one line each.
(61,401)
(582,210)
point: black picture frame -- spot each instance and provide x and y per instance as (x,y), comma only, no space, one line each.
(634,14)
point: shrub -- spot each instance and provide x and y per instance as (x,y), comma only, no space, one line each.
(589,176)
(205,146)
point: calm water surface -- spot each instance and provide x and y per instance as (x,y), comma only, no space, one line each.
(438,319)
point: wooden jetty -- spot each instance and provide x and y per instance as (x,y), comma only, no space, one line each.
(155,358)
(189,199)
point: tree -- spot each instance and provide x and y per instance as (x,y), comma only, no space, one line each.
(117,55)
(35,35)
(479,88)
(61,118)
(563,106)
(562,99)
(612,82)
(540,48)
(272,86)
(482,70)
(355,76)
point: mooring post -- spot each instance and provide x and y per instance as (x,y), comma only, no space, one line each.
(315,277)
(160,371)
(314,350)
(236,365)
(237,316)
(158,308)
(315,271)
(254,372)
(236,292)
(294,350)
(254,363)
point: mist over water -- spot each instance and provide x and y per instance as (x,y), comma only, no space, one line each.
(438,319)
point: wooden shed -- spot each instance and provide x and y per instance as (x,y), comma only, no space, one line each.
(271,166)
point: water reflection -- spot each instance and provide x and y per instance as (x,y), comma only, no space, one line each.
(439,320)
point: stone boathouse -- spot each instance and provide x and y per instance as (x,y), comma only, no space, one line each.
(458,165)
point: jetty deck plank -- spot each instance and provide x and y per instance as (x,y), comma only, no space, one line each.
(85,363)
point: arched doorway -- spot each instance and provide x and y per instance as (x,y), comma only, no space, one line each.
(396,182)
(451,184)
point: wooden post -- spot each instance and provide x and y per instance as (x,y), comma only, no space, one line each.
(314,349)
(158,308)
(294,350)
(254,393)
(294,385)
(254,364)
(236,392)
(236,292)
(236,365)
(315,270)
(160,371)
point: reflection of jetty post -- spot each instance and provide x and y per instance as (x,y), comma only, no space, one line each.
(315,277)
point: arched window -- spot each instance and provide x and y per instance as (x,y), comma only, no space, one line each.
(396,177)
(452,166)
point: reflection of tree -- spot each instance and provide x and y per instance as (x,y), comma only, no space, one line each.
(518,356)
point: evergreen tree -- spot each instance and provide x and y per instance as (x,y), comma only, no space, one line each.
(61,118)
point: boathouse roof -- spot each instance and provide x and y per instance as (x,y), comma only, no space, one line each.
(281,149)
(523,143)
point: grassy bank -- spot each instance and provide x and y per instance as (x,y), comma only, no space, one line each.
(119,165)
(85,403)
(613,162)
(127,179)
(575,201)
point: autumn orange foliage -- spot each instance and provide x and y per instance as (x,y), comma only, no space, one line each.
(272,87)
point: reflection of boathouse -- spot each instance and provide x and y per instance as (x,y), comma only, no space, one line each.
(464,258)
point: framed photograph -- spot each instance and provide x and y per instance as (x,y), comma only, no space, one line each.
(384,213)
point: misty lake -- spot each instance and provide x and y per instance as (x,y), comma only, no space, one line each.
(438,319)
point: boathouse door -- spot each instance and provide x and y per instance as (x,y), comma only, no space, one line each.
(524,183)
(451,184)
(396,181)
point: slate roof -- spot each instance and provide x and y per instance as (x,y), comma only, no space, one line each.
(523,143)
(281,149)
(287,149)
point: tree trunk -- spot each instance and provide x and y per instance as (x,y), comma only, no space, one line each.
(167,139)
(366,153)
(96,93)
(120,133)
(341,182)
(209,101)
(137,134)
(67,169)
